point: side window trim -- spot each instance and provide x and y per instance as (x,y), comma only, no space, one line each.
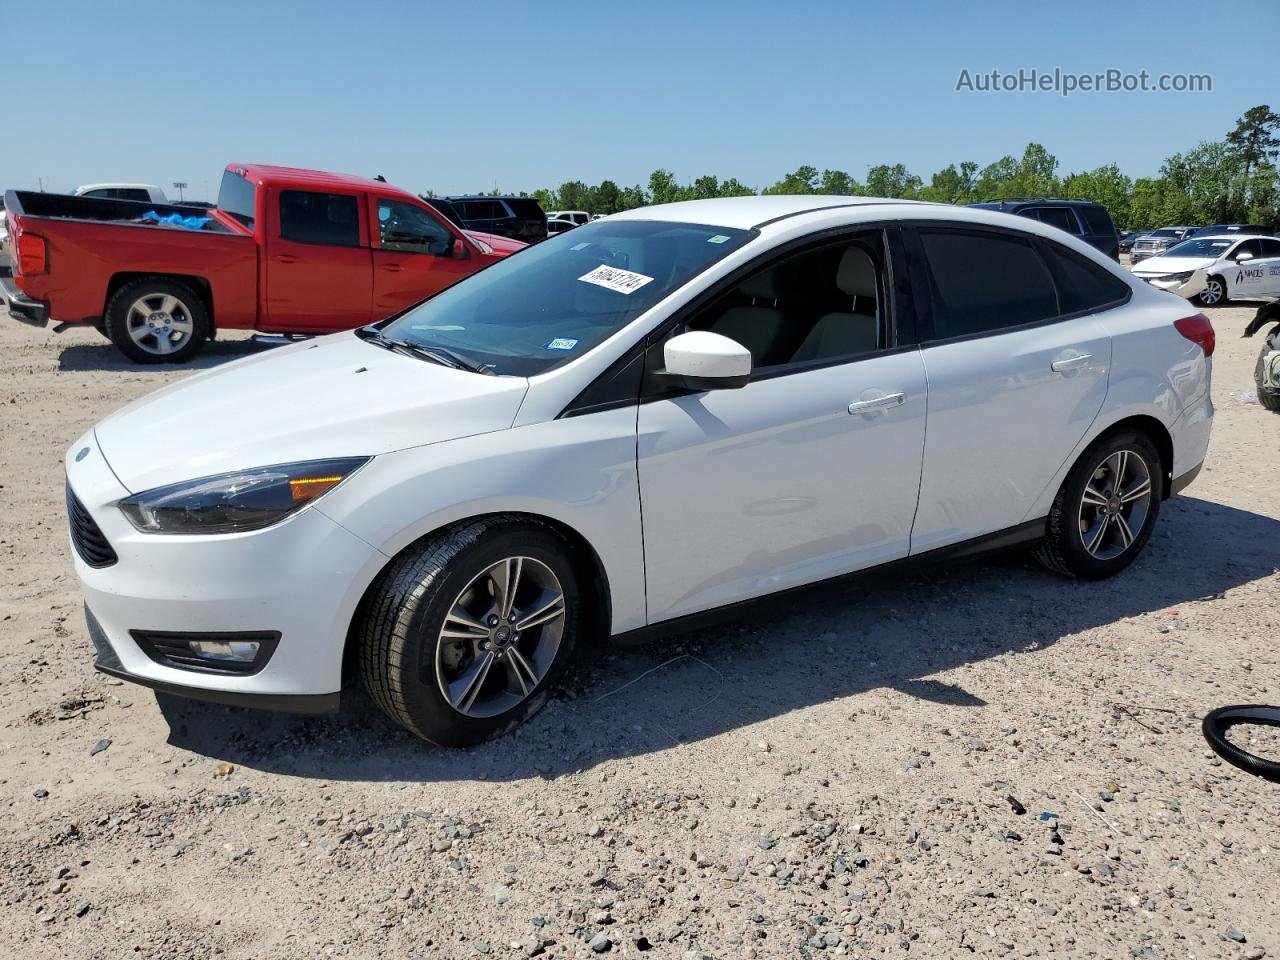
(1042,245)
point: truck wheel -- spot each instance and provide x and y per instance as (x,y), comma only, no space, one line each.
(157,320)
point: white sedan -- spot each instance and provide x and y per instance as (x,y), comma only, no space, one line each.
(1216,269)
(653,417)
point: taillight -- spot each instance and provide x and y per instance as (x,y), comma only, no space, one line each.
(1198,330)
(33,254)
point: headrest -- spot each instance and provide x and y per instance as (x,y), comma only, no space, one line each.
(856,274)
(762,286)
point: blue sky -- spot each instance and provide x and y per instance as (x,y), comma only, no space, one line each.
(463,97)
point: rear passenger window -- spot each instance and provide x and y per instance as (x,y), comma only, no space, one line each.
(985,282)
(1083,287)
(308,217)
(1059,217)
(1097,219)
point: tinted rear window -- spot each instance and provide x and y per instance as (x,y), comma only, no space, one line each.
(1059,217)
(310,217)
(1097,220)
(526,208)
(985,282)
(236,197)
(1083,286)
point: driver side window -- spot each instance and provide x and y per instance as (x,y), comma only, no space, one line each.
(408,228)
(824,304)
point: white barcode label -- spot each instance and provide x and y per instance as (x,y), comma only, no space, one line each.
(611,278)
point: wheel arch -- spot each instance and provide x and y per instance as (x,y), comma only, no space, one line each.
(199,284)
(585,557)
(1156,431)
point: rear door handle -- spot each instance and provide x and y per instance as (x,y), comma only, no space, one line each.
(287,258)
(878,403)
(1071,363)
(392,267)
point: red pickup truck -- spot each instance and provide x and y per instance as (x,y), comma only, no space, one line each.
(285,251)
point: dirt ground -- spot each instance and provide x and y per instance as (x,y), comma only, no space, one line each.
(982,760)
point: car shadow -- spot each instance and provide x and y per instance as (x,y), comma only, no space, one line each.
(105,357)
(831,642)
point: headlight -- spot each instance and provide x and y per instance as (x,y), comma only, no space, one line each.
(232,502)
(1179,277)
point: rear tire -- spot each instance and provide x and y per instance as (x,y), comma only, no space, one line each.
(157,320)
(438,652)
(1101,519)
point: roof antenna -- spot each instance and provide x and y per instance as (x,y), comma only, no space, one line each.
(380,178)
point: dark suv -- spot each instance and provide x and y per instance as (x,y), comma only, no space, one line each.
(1081,218)
(520,218)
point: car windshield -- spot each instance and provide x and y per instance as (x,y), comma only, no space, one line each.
(1203,247)
(560,298)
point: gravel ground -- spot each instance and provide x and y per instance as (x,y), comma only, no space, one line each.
(985,759)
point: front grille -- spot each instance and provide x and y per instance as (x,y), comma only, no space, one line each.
(85,535)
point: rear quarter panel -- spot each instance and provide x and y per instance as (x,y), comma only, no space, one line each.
(85,256)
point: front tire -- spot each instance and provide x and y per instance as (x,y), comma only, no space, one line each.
(464,637)
(1106,509)
(157,320)
(1214,293)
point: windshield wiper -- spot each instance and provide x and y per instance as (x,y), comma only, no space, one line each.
(446,358)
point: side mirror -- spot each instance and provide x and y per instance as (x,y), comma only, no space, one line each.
(459,250)
(1243,255)
(702,360)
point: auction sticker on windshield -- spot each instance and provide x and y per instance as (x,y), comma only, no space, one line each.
(611,278)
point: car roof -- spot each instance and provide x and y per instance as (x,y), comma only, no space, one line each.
(265,173)
(1028,201)
(745,213)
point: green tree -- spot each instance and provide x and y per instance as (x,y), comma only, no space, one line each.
(663,187)
(1105,185)
(952,184)
(837,183)
(995,182)
(801,180)
(1256,137)
(894,181)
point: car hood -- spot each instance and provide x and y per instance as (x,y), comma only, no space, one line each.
(1158,265)
(332,397)
(502,246)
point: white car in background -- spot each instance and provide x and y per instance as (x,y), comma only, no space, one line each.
(145,192)
(661,414)
(1217,269)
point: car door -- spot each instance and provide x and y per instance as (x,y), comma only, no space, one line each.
(417,255)
(317,265)
(810,470)
(1246,271)
(1012,388)
(1270,283)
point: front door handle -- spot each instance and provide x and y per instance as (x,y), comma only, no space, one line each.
(286,258)
(877,403)
(1071,363)
(392,267)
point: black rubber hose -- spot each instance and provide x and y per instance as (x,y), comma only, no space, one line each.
(1219,721)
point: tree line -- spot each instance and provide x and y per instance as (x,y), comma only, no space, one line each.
(1232,180)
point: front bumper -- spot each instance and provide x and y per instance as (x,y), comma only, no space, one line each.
(302,578)
(23,307)
(1190,287)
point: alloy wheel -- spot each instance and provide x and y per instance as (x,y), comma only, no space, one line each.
(500,637)
(159,323)
(1213,292)
(1115,504)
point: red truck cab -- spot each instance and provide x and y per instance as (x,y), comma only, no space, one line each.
(285,251)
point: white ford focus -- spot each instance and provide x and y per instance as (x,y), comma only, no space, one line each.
(652,417)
